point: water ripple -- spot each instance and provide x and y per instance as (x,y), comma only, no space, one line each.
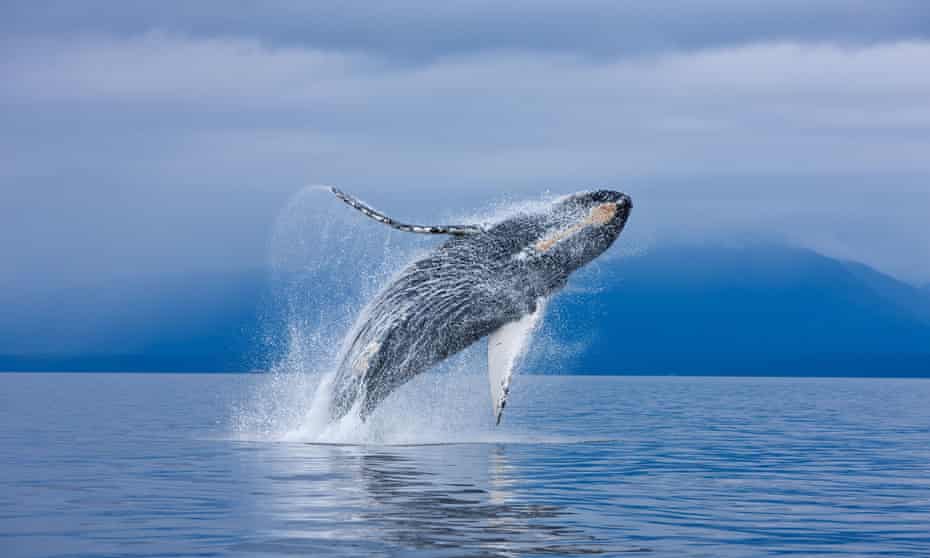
(584,466)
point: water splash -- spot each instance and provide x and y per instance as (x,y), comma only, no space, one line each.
(326,264)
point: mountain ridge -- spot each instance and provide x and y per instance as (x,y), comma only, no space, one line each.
(751,308)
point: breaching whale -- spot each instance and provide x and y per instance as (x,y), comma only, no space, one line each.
(485,280)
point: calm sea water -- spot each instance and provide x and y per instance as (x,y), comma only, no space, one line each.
(161,465)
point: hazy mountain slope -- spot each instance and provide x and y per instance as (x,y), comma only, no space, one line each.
(713,308)
(755,308)
(197,322)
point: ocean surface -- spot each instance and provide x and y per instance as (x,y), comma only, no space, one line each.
(207,465)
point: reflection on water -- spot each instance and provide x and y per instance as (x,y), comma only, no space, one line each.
(412,497)
(422,509)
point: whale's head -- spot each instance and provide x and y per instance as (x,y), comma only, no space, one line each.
(580,227)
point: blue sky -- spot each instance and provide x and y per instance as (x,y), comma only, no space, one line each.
(144,138)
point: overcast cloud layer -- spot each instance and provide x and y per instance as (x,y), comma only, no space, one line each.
(144,137)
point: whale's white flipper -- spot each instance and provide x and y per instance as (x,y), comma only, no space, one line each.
(505,347)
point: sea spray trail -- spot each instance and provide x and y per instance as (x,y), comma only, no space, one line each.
(326,264)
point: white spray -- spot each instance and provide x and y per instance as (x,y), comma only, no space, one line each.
(326,263)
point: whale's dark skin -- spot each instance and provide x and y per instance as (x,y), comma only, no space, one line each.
(468,287)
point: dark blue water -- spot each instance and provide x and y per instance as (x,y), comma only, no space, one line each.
(159,465)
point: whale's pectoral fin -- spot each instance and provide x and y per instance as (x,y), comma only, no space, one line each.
(505,348)
(382,218)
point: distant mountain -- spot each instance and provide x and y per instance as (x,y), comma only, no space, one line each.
(755,308)
(202,322)
(713,308)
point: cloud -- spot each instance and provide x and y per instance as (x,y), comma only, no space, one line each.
(200,138)
(414,30)
(760,108)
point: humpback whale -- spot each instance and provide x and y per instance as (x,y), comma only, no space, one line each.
(484,281)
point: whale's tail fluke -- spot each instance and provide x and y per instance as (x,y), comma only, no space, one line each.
(382,218)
